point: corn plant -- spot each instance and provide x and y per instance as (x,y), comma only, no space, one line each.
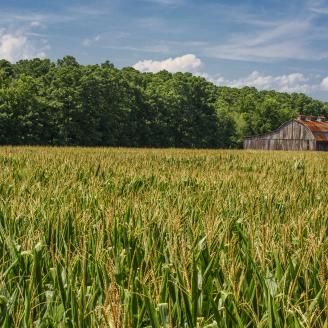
(163,238)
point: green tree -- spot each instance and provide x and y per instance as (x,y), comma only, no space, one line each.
(65,103)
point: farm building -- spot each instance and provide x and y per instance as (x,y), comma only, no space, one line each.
(303,133)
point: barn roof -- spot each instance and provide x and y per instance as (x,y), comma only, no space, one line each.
(319,129)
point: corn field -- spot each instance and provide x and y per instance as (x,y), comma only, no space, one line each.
(163,238)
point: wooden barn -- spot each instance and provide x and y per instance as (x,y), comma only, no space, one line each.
(303,133)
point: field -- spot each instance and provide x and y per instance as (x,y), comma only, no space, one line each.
(163,238)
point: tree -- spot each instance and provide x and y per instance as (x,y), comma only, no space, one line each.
(6,68)
(35,67)
(66,103)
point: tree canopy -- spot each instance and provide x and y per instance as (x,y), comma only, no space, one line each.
(65,103)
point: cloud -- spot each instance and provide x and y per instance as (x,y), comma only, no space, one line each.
(152,23)
(18,44)
(90,41)
(9,18)
(124,41)
(67,14)
(318,7)
(171,3)
(186,63)
(324,84)
(160,48)
(286,40)
(265,36)
(320,11)
(80,11)
(35,23)
(295,82)
(114,42)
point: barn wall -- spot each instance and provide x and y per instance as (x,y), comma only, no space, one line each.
(323,146)
(280,144)
(291,136)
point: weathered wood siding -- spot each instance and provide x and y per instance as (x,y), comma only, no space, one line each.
(322,146)
(291,136)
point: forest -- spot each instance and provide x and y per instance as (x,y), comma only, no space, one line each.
(65,103)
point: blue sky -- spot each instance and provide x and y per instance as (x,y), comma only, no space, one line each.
(269,44)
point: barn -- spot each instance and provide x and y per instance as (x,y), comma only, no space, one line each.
(302,133)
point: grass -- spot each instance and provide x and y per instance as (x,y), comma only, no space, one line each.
(163,238)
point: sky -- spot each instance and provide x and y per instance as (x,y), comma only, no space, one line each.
(268,44)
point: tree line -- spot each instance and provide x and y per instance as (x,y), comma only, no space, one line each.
(65,103)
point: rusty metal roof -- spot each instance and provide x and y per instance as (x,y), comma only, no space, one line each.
(319,129)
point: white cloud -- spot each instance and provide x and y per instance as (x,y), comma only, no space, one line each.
(295,82)
(152,23)
(90,41)
(19,44)
(324,84)
(167,2)
(35,23)
(186,63)
(105,40)
(288,39)
(79,11)
(154,48)
(318,7)
(321,11)
(9,18)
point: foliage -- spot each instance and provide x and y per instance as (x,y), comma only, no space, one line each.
(65,103)
(162,238)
